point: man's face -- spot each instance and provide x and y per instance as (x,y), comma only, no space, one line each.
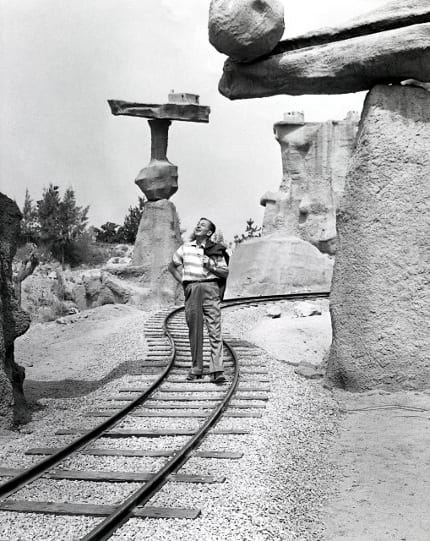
(203,229)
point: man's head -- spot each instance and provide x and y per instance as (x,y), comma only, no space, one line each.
(204,229)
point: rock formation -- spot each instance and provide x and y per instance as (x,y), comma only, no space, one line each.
(13,320)
(315,157)
(159,232)
(158,237)
(244,31)
(380,294)
(384,46)
(276,264)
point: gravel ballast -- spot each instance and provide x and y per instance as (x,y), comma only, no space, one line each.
(274,492)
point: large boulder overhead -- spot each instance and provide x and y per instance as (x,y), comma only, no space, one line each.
(386,45)
(245,29)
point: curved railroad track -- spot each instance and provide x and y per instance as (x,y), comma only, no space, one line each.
(169,395)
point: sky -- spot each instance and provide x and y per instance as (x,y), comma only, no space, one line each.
(62,60)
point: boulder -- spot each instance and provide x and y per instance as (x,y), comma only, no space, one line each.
(245,29)
(277,264)
(386,45)
(380,297)
(306,309)
(13,321)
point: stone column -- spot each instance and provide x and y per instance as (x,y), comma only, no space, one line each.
(159,231)
(380,300)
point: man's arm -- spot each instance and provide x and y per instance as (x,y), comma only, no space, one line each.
(219,268)
(175,271)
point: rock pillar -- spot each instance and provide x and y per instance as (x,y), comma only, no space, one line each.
(159,232)
(380,300)
(157,238)
(13,321)
(315,158)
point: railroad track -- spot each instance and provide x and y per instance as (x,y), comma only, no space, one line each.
(193,407)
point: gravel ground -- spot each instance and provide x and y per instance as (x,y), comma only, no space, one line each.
(274,492)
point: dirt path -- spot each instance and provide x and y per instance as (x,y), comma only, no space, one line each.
(383,456)
(382,453)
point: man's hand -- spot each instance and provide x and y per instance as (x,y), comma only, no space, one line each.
(207,262)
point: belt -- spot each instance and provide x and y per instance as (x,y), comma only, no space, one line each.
(199,281)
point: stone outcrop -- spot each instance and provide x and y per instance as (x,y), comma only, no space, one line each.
(13,321)
(315,157)
(384,46)
(276,264)
(245,30)
(157,238)
(380,295)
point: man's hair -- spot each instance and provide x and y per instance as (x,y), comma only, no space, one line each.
(211,224)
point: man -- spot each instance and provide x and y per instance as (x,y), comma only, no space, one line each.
(201,266)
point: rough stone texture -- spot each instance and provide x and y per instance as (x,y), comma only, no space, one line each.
(158,237)
(245,29)
(315,157)
(387,45)
(380,296)
(13,321)
(159,179)
(186,111)
(277,264)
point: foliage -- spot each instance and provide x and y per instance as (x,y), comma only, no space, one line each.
(62,223)
(128,232)
(108,232)
(251,231)
(113,233)
(30,229)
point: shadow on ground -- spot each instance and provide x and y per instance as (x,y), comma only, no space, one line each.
(71,388)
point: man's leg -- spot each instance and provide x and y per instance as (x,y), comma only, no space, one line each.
(212,312)
(194,319)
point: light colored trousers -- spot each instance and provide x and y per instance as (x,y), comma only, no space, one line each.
(202,304)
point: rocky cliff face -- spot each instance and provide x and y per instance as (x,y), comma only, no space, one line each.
(380,296)
(315,158)
(13,320)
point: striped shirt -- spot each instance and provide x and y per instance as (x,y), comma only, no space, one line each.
(190,256)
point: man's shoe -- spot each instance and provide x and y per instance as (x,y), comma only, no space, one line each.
(192,377)
(217,377)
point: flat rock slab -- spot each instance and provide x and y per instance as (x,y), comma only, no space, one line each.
(386,45)
(168,111)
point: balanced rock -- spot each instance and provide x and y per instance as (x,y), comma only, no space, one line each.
(276,264)
(245,29)
(13,321)
(380,297)
(384,46)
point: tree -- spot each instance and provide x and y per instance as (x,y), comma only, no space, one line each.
(62,222)
(128,232)
(251,231)
(48,210)
(107,232)
(30,229)
(73,221)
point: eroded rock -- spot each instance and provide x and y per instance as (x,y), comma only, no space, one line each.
(380,297)
(13,321)
(387,45)
(276,264)
(245,29)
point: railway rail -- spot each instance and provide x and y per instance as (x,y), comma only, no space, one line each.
(168,396)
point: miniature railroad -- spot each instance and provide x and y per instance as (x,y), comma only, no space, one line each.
(167,396)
